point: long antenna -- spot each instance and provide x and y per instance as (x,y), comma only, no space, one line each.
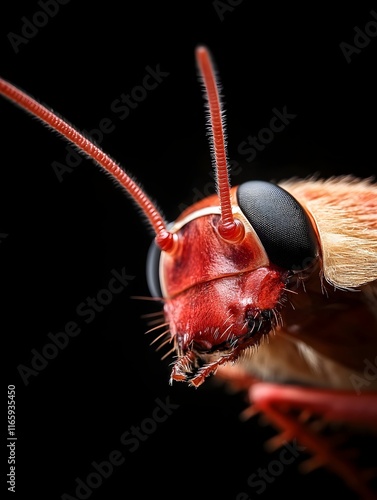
(229,228)
(164,239)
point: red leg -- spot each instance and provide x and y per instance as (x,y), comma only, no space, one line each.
(300,412)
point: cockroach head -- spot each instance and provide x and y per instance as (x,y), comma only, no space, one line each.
(220,297)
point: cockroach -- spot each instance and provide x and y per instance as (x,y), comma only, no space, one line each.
(268,287)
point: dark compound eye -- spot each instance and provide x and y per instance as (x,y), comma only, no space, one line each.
(281,224)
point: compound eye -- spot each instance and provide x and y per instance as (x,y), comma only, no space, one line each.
(281,223)
(153,270)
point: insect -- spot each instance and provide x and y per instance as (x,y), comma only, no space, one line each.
(270,287)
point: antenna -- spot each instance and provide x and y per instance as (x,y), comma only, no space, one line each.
(229,228)
(164,239)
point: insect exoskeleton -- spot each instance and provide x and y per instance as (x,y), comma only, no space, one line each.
(222,296)
(288,268)
(265,282)
(286,279)
(284,283)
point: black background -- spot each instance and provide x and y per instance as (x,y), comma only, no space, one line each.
(65,238)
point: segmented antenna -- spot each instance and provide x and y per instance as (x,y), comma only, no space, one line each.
(164,239)
(229,228)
